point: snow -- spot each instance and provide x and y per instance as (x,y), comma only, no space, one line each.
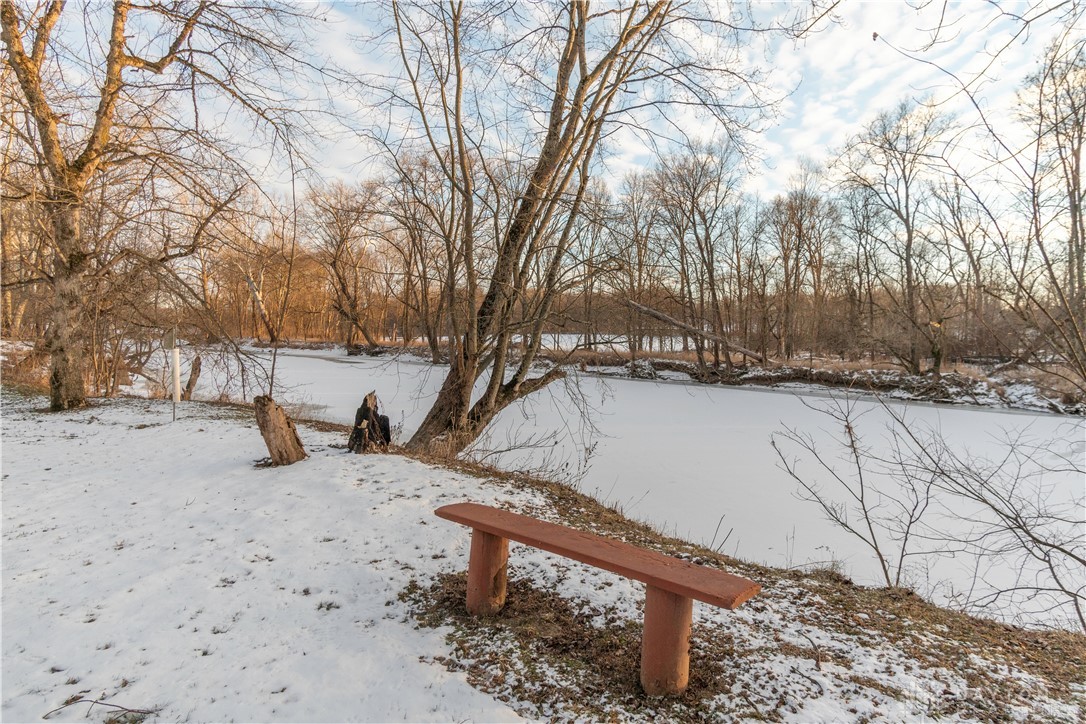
(150,564)
(13,349)
(708,473)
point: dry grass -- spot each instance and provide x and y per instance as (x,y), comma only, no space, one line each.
(29,371)
(555,653)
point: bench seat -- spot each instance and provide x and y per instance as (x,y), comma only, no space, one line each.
(671,583)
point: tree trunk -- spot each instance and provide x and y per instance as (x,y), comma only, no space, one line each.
(194,375)
(911,307)
(451,425)
(371,428)
(447,415)
(937,349)
(66,387)
(278,431)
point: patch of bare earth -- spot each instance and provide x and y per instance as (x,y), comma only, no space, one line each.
(543,649)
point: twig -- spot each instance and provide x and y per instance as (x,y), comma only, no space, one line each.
(818,651)
(716,531)
(757,712)
(93,702)
(808,677)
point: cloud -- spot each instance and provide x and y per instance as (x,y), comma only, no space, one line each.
(845,78)
(840,76)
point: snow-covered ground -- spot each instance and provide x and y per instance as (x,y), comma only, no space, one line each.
(148,564)
(695,460)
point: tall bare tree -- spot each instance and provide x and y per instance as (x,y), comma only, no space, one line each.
(636,274)
(544,82)
(1049,270)
(889,161)
(343,228)
(420,234)
(1028,201)
(697,189)
(149,72)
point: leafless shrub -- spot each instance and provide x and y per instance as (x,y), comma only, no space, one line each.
(1018,519)
(1025,531)
(884,500)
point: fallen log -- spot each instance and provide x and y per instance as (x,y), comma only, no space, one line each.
(660,316)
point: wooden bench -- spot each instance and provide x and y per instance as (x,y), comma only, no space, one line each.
(671,583)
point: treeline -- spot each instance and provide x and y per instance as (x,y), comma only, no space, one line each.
(903,245)
(898,262)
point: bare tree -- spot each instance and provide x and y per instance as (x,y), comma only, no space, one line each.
(1018,516)
(159,62)
(971,262)
(888,161)
(589,253)
(1040,246)
(420,230)
(1029,195)
(342,226)
(1021,528)
(636,274)
(801,225)
(880,500)
(569,73)
(750,273)
(696,190)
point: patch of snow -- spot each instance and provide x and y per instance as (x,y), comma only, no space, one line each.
(708,475)
(11,349)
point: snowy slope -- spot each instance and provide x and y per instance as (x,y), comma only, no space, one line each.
(709,472)
(151,564)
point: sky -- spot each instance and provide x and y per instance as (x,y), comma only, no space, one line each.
(866,58)
(844,76)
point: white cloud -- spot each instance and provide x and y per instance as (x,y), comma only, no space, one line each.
(847,77)
(842,77)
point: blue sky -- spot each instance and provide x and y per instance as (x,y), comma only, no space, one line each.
(844,77)
(840,77)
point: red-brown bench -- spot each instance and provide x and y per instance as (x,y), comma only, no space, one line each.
(671,583)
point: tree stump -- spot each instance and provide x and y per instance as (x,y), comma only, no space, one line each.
(371,429)
(278,431)
(194,375)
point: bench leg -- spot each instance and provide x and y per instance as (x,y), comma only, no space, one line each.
(487,573)
(665,644)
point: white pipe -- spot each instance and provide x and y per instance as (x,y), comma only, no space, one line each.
(176,374)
